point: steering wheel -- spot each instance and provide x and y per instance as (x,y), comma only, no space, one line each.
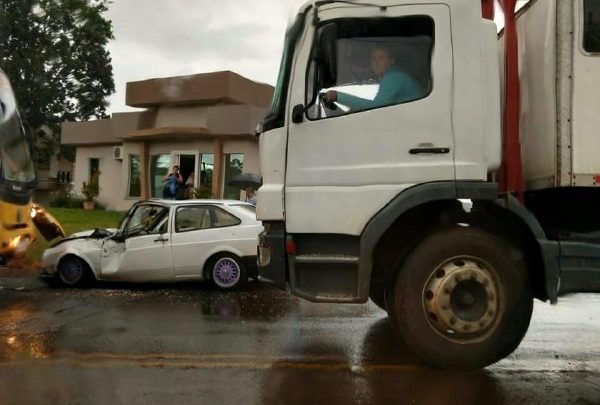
(329,105)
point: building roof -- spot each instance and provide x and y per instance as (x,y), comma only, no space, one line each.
(184,107)
(224,87)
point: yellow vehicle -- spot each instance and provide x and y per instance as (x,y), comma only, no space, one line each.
(18,179)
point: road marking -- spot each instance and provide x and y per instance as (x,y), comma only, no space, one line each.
(206,361)
(260,362)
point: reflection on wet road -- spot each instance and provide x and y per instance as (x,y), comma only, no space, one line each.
(191,344)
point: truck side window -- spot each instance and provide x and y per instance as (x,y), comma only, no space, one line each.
(378,63)
(591,26)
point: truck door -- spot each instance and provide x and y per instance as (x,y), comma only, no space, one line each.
(390,127)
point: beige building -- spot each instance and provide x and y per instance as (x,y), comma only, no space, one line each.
(204,123)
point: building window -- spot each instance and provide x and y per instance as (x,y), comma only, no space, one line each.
(134,176)
(234,165)
(159,168)
(591,26)
(207,166)
(374,64)
(94,167)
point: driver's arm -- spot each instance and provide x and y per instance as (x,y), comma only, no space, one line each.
(353,102)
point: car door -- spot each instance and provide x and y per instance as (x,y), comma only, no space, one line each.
(142,252)
(199,231)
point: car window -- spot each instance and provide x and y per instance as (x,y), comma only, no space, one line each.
(147,220)
(202,217)
(191,219)
(222,218)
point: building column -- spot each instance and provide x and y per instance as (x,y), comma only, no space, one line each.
(217,180)
(144,170)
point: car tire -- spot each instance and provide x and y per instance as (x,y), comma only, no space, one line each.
(227,271)
(461,299)
(74,272)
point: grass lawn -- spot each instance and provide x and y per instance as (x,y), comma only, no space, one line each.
(73,220)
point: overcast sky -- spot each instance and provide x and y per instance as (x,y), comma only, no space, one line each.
(161,38)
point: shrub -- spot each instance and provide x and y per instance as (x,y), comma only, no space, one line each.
(91,189)
(202,193)
(65,199)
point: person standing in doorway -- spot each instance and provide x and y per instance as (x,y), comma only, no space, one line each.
(189,186)
(172,182)
(250,195)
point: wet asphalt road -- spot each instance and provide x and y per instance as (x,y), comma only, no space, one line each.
(190,344)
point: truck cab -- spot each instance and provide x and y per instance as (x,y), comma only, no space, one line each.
(382,183)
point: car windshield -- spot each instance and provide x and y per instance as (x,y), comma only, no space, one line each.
(146,220)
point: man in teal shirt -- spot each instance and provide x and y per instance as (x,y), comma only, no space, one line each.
(395,87)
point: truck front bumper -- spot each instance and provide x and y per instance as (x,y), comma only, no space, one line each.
(272,266)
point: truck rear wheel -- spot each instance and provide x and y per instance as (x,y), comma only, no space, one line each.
(378,297)
(461,299)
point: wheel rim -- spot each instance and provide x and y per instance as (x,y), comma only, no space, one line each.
(463,300)
(71,271)
(226,272)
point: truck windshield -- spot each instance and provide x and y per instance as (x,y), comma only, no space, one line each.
(15,156)
(279,86)
(276,115)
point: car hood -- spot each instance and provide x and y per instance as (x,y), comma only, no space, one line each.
(97,233)
(45,223)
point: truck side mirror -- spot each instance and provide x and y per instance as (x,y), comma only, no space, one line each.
(298,113)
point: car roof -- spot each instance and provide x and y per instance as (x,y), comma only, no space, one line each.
(192,202)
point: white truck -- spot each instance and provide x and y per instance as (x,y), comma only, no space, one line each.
(419,201)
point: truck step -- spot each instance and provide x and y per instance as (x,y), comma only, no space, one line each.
(589,237)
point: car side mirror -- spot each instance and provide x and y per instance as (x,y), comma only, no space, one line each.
(119,237)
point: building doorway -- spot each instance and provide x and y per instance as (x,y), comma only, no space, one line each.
(188,167)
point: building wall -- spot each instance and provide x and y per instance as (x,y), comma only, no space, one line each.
(251,159)
(181,117)
(234,119)
(123,202)
(112,188)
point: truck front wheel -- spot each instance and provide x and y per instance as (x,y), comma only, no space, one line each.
(461,299)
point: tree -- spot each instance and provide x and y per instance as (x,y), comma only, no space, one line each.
(54,52)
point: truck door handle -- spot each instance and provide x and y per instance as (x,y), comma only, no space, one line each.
(429,151)
(161,239)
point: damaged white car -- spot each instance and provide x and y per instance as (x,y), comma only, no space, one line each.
(164,241)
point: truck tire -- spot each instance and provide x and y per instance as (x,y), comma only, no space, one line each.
(377,295)
(461,299)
